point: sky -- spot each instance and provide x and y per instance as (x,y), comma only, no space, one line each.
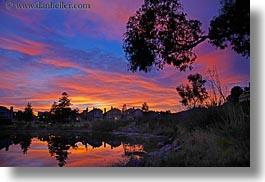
(44,52)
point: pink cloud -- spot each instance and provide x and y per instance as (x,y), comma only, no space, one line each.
(105,88)
(23,45)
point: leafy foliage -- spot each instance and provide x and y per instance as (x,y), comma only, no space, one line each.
(61,111)
(158,34)
(124,108)
(145,107)
(193,95)
(28,113)
(58,147)
(232,26)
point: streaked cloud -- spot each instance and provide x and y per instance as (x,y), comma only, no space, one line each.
(46,52)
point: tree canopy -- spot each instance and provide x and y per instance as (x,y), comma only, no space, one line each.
(145,107)
(232,26)
(159,33)
(28,112)
(61,111)
(193,94)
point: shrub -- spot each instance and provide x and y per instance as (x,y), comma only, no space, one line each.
(218,136)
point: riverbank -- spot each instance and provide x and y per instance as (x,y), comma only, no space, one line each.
(216,136)
(213,137)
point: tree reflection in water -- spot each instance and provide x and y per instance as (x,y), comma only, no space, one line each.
(24,140)
(60,145)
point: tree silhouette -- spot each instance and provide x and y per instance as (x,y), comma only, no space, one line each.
(53,110)
(145,107)
(64,101)
(234,95)
(59,147)
(25,142)
(232,26)
(193,95)
(124,108)
(28,113)
(61,111)
(159,33)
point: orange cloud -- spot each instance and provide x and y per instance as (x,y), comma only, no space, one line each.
(23,45)
(104,89)
(88,86)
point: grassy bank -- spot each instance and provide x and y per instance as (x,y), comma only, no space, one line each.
(217,136)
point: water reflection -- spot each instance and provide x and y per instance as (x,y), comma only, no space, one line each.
(82,149)
(23,140)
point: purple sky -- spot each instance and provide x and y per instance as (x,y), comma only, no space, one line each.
(46,52)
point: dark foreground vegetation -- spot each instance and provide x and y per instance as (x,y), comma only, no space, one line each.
(218,136)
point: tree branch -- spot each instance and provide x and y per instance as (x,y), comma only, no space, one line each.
(203,38)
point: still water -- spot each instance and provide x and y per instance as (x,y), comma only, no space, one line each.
(71,149)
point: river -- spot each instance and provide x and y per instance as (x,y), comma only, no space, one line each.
(71,149)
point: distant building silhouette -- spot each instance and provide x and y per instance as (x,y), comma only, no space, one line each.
(113,114)
(95,114)
(138,114)
(114,143)
(44,116)
(95,143)
(6,115)
(128,114)
(132,114)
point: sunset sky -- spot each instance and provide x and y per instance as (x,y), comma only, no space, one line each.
(46,52)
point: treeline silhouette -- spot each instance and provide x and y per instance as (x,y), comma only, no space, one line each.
(60,144)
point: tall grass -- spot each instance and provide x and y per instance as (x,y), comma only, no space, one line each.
(217,136)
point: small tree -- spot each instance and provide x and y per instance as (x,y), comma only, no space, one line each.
(64,101)
(28,113)
(145,107)
(124,108)
(61,111)
(193,95)
(54,108)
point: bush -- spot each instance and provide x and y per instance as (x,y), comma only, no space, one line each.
(218,136)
